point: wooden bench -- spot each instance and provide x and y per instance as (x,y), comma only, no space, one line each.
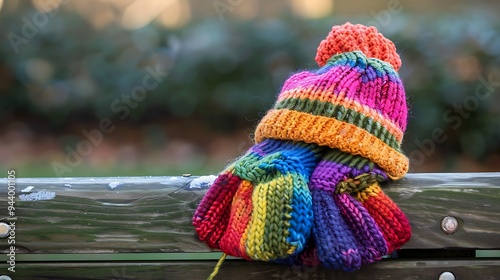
(140,228)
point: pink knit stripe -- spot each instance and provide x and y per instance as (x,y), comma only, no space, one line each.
(350,82)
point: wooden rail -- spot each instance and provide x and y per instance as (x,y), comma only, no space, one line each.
(140,228)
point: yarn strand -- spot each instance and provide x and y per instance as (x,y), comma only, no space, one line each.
(217,267)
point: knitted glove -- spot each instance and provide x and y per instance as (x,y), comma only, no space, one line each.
(260,207)
(349,185)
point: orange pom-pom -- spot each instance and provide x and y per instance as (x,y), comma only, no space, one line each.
(349,37)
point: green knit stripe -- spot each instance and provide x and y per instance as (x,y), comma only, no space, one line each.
(347,159)
(341,113)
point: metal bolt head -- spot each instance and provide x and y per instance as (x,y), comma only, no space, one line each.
(449,225)
(447,276)
(4,231)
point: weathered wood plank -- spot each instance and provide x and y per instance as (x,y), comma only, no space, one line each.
(233,269)
(153,214)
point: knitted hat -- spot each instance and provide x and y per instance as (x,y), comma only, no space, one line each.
(355,103)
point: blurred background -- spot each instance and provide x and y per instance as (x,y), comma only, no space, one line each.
(166,87)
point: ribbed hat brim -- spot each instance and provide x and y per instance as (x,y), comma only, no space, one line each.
(293,125)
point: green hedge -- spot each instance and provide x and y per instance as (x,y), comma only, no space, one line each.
(228,71)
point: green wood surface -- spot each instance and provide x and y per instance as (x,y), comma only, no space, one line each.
(140,228)
(230,270)
(153,214)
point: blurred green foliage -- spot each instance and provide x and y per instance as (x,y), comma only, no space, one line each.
(228,71)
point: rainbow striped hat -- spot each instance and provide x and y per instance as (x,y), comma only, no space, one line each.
(355,102)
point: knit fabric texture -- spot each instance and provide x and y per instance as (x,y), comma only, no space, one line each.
(309,190)
(260,208)
(356,37)
(371,224)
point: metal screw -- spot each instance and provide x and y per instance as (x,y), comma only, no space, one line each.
(447,276)
(4,232)
(5,277)
(449,225)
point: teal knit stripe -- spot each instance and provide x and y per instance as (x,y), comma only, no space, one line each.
(341,113)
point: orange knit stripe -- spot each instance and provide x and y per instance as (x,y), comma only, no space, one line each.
(341,100)
(233,240)
(366,193)
(297,126)
(245,216)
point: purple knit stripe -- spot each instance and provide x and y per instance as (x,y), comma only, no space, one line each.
(371,243)
(305,78)
(265,147)
(329,174)
(335,243)
(270,146)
